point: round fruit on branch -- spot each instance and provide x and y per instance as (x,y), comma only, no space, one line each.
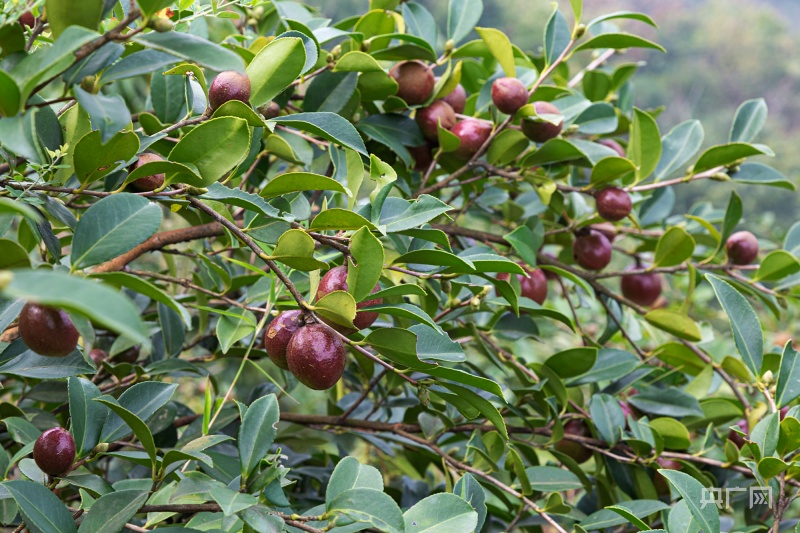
(316,356)
(613,204)
(47,330)
(279,333)
(415,81)
(472,133)
(509,94)
(54,451)
(643,289)
(335,279)
(539,129)
(228,85)
(577,451)
(457,98)
(591,249)
(533,286)
(742,248)
(429,118)
(147,183)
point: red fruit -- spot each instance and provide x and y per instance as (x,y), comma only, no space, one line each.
(472,134)
(131,355)
(54,451)
(336,280)
(147,183)
(783,411)
(428,119)
(279,333)
(607,229)
(574,449)
(643,289)
(627,410)
(539,130)
(533,287)
(509,94)
(316,357)
(742,248)
(27,20)
(47,330)
(270,110)
(415,81)
(457,98)
(98,356)
(613,204)
(614,145)
(592,250)
(229,85)
(423,156)
(737,438)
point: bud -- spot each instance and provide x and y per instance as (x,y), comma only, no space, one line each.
(446,286)
(768,377)
(195,191)
(449,46)
(424,395)
(720,176)
(366,45)
(161,24)
(5,278)
(100,448)
(87,84)
(336,51)
(475,303)
(580,30)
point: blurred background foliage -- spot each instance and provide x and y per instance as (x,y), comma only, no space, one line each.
(719,54)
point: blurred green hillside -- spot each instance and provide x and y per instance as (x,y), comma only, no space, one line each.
(720,53)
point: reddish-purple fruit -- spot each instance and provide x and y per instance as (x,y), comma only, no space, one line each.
(534,286)
(279,333)
(737,438)
(509,94)
(574,449)
(335,279)
(607,229)
(54,451)
(472,133)
(98,356)
(423,156)
(270,110)
(147,183)
(131,355)
(659,481)
(591,250)
(415,81)
(457,98)
(428,119)
(47,330)
(627,410)
(643,289)
(613,204)
(539,130)
(742,248)
(614,145)
(229,85)
(316,357)
(27,20)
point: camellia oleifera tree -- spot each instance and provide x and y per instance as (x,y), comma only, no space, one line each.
(264,271)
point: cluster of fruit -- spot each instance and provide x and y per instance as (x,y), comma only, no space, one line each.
(314,353)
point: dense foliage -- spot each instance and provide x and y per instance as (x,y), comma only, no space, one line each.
(264,271)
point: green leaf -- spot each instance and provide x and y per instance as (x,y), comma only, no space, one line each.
(788,387)
(329,126)
(235,108)
(506,147)
(186,69)
(526,243)
(350,474)
(232,501)
(679,146)
(777,265)
(733,213)
(9,95)
(86,415)
(766,434)
(23,362)
(500,46)
(173,172)
(41,510)
(357,61)
(436,258)
(295,248)
(612,169)
(641,17)
(15,207)
(274,68)
(597,119)
(142,286)
(142,400)
(552,479)
(233,326)
(618,41)
(675,323)
(93,159)
(748,121)
(746,328)
(112,511)
(137,425)
(674,247)
(724,154)
(214,148)
(113,226)
(300,181)
(369,506)
(363,275)
(337,306)
(99,303)
(625,513)
(692,492)
(340,219)
(257,432)
(472,491)
(400,215)
(462,16)
(770,467)
(606,518)
(557,36)
(607,417)
(441,513)
(644,147)
(670,402)
(222,193)
(109,114)
(193,48)
(675,434)
(481,404)
(760,174)
(572,362)
(420,21)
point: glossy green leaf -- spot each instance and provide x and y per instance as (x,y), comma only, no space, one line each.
(367,506)
(674,247)
(761,174)
(612,169)
(748,121)
(340,219)
(214,148)
(724,154)
(679,146)
(607,417)
(329,126)
(618,41)
(557,36)
(94,160)
(275,67)
(777,265)
(137,425)
(300,181)
(338,307)
(644,146)
(257,432)
(441,513)
(193,48)
(462,15)
(552,479)
(500,47)
(788,387)
(675,323)
(142,286)
(23,362)
(295,248)
(42,511)
(113,226)
(233,326)
(142,400)
(112,511)
(86,415)
(366,264)
(350,474)
(745,324)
